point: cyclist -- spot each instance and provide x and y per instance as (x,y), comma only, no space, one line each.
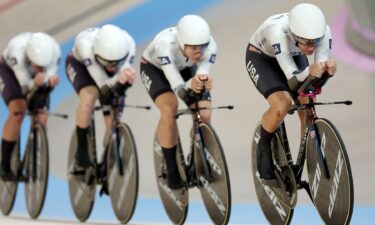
(276,60)
(99,65)
(28,64)
(178,60)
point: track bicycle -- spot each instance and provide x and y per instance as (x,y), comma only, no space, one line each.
(33,169)
(117,172)
(205,168)
(330,181)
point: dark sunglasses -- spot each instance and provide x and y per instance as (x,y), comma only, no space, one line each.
(196,47)
(110,63)
(305,41)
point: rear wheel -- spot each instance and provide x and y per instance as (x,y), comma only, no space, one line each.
(123,189)
(36,171)
(8,189)
(334,196)
(81,187)
(275,211)
(175,202)
(215,190)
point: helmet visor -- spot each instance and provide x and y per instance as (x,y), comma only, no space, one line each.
(305,41)
(110,63)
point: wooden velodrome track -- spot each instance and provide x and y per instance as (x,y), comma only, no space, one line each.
(231,22)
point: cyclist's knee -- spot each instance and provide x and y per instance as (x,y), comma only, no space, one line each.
(205,116)
(16,117)
(17,110)
(87,102)
(42,118)
(89,94)
(281,107)
(169,110)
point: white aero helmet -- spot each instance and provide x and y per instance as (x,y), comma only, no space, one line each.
(40,49)
(192,30)
(307,23)
(110,43)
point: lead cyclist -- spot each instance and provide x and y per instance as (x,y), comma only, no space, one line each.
(277,63)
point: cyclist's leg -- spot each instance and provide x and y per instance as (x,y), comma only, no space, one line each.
(15,100)
(279,102)
(163,96)
(87,96)
(167,132)
(11,131)
(270,81)
(84,85)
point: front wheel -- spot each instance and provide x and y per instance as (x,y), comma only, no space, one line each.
(81,193)
(36,170)
(8,189)
(334,196)
(215,191)
(275,211)
(123,188)
(175,202)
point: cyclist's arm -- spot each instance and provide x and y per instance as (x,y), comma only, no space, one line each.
(168,66)
(51,70)
(132,51)
(22,75)
(208,59)
(323,51)
(280,44)
(126,70)
(173,76)
(15,56)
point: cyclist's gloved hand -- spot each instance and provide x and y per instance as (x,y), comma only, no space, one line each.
(105,91)
(200,82)
(120,89)
(184,92)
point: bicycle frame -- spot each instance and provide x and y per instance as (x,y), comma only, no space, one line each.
(308,129)
(34,145)
(198,141)
(116,108)
(115,114)
(32,133)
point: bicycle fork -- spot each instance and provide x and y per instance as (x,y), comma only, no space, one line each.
(317,142)
(34,156)
(116,141)
(201,150)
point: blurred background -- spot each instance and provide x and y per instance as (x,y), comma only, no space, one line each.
(232,22)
